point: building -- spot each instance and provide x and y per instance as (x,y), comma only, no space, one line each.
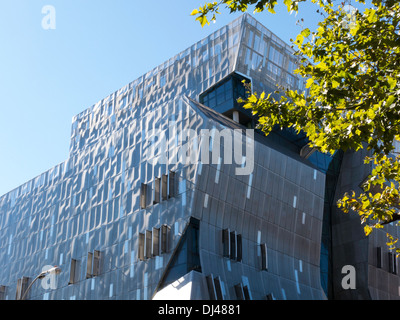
(132,215)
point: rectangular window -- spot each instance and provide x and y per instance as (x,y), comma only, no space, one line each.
(143,196)
(157,183)
(164,239)
(141,247)
(93,264)
(3,291)
(239,291)
(392,263)
(226,243)
(211,287)
(22,285)
(379,257)
(96,263)
(73,271)
(156,241)
(239,247)
(264,257)
(233,245)
(164,187)
(171,184)
(148,244)
(218,288)
(246,293)
(89,266)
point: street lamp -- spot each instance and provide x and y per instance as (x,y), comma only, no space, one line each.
(55,270)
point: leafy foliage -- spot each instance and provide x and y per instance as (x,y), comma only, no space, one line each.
(352,67)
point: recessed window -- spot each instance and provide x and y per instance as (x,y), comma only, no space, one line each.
(3,291)
(239,291)
(73,274)
(157,185)
(264,257)
(171,184)
(232,245)
(22,285)
(239,247)
(218,288)
(164,187)
(143,196)
(214,287)
(141,247)
(242,292)
(148,244)
(379,257)
(156,242)
(93,264)
(164,238)
(392,263)
(226,244)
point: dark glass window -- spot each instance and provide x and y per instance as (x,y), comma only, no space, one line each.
(73,271)
(143,196)
(157,184)
(223,96)
(187,255)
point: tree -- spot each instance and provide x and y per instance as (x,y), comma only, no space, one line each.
(352,67)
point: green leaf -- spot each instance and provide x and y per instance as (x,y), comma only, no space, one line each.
(367,230)
(335,83)
(305,33)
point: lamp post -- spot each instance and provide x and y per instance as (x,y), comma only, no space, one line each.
(43,274)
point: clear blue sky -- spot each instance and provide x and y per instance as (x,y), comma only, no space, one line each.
(98,46)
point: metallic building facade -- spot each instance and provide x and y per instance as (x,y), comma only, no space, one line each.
(125,218)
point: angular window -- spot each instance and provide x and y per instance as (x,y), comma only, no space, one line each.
(89,266)
(211,287)
(392,263)
(226,243)
(264,257)
(164,187)
(239,291)
(93,264)
(171,184)
(239,247)
(148,244)
(218,289)
(141,247)
(164,238)
(73,274)
(246,293)
(214,287)
(96,263)
(157,183)
(3,291)
(233,245)
(223,96)
(156,242)
(269,297)
(185,256)
(143,196)
(22,285)
(379,257)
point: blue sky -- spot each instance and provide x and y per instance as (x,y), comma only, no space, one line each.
(98,46)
